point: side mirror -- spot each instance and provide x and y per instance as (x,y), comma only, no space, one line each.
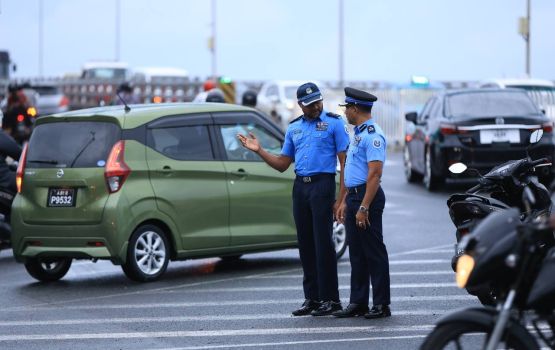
(411,117)
(536,136)
(457,168)
(543,111)
(14,68)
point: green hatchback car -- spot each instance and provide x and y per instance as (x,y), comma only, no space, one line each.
(153,184)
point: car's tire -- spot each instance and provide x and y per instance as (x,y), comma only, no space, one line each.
(148,254)
(48,269)
(431,182)
(231,258)
(411,175)
(339,239)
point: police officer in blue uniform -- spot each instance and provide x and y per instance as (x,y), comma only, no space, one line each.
(361,210)
(313,141)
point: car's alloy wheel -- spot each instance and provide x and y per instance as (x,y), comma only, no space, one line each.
(339,239)
(148,254)
(48,269)
(410,174)
(430,182)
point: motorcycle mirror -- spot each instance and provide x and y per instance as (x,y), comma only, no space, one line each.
(536,136)
(458,168)
(528,198)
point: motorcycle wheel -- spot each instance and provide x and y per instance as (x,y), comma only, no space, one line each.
(469,335)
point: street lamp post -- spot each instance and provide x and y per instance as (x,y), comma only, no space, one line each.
(213,41)
(524,31)
(41,47)
(118,19)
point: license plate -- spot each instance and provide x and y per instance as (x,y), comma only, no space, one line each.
(61,197)
(499,135)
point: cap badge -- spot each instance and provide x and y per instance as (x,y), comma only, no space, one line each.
(308,90)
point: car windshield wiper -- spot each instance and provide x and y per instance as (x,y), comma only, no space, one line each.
(43,161)
(91,140)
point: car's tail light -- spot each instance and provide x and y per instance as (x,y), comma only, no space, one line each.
(64,102)
(448,129)
(547,127)
(21,168)
(116,171)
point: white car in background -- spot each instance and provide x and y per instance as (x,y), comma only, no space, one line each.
(106,70)
(541,91)
(278,99)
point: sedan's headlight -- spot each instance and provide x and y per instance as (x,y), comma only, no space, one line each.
(465,265)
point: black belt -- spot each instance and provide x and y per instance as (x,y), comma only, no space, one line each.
(356,189)
(313,178)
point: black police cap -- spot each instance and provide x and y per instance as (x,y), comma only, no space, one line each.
(358,97)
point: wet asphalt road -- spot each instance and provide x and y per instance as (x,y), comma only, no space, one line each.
(209,304)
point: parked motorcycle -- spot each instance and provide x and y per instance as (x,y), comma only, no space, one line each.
(498,190)
(518,259)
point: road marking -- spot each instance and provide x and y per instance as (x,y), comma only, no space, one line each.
(162,319)
(394,273)
(196,304)
(409,262)
(214,333)
(323,341)
(278,288)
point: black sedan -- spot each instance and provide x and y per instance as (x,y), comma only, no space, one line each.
(481,128)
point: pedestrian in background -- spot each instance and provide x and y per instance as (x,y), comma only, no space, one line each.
(361,210)
(313,141)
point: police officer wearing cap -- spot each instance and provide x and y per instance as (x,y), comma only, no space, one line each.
(313,141)
(361,210)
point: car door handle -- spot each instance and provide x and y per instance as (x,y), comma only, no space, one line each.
(240,172)
(165,170)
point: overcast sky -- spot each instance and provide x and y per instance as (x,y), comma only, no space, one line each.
(287,39)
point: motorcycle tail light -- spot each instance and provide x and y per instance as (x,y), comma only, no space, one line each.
(20,118)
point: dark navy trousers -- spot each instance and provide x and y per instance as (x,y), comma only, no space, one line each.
(367,251)
(313,213)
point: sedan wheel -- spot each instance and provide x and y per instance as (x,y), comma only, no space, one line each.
(410,174)
(147,255)
(339,239)
(430,181)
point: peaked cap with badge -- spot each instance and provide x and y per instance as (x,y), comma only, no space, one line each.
(308,93)
(358,97)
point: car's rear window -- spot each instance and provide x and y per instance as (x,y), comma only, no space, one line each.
(489,104)
(77,144)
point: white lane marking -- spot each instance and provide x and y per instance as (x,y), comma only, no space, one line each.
(279,288)
(215,333)
(443,246)
(128,320)
(196,304)
(409,262)
(303,342)
(394,273)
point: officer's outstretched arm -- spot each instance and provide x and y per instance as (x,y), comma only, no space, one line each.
(280,162)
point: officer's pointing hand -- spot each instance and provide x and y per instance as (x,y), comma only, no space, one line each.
(249,142)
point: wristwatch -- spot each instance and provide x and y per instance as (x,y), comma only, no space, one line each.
(363,209)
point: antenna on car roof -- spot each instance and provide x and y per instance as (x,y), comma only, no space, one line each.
(123,87)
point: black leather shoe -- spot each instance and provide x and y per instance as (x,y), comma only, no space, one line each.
(378,311)
(352,310)
(327,308)
(307,307)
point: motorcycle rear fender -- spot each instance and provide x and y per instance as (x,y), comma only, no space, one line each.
(486,316)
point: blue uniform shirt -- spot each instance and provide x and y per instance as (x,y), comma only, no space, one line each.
(367,145)
(314,144)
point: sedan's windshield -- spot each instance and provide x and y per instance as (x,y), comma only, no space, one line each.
(487,104)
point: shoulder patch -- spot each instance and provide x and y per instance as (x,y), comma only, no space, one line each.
(296,119)
(333,115)
(377,143)
(371,129)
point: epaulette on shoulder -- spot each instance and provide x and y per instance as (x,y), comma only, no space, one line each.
(333,115)
(296,119)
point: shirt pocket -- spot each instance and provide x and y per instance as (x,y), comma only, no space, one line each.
(324,139)
(297,138)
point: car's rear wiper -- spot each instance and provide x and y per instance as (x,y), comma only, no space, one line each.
(43,161)
(91,140)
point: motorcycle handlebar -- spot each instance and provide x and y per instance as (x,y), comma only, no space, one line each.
(539,161)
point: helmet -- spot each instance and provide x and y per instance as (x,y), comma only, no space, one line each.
(249,98)
(215,95)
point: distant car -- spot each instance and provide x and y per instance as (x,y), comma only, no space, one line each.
(541,91)
(157,183)
(50,99)
(106,70)
(479,127)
